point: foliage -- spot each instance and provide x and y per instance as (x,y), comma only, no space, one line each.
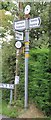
(8,65)
(8,56)
(39,36)
(5,20)
(12,110)
(8,5)
(17,103)
(39,68)
(39,79)
(8,110)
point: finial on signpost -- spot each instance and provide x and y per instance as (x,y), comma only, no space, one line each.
(27,11)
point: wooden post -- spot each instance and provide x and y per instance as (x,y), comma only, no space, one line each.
(17,54)
(17,60)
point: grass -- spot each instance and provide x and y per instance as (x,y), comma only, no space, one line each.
(0,81)
(0,65)
(18,112)
(13,110)
(8,110)
(0,102)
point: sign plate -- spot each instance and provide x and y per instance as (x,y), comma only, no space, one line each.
(18,44)
(19,35)
(16,80)
(19,25)
(35,22)
(8,86)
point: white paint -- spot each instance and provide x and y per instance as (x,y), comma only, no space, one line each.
(16,80)
(8,86)
(27,10)
(19,25)
(18,44)
(17,51)
(19,35)
(35,22)
(16,61)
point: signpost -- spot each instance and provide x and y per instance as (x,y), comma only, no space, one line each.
(16,80)
(19,25)
(8,86)
(19,35)
(18,44)
(33,23)
(26,25)
(26,61)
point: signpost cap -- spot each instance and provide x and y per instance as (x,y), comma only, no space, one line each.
(27,10)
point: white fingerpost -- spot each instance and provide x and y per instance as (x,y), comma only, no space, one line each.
(26,25)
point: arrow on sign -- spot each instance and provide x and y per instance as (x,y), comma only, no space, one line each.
(35,22)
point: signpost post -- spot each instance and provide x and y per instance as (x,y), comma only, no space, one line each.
(26,61)
(17,58)
(27,11)
(11,94)
(26,25)
(18,46)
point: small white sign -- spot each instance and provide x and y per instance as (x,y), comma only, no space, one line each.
(8,86)
(16,80)
(35,22)
(19,25)
(19,35)
(18,44)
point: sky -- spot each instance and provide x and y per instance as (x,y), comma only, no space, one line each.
(27,0)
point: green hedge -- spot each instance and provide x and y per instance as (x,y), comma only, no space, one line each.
(39,78)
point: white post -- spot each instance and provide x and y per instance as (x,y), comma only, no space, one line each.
(26,61)
(11,94)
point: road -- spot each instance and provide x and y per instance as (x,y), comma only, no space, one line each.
(2,116)
(32,112)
